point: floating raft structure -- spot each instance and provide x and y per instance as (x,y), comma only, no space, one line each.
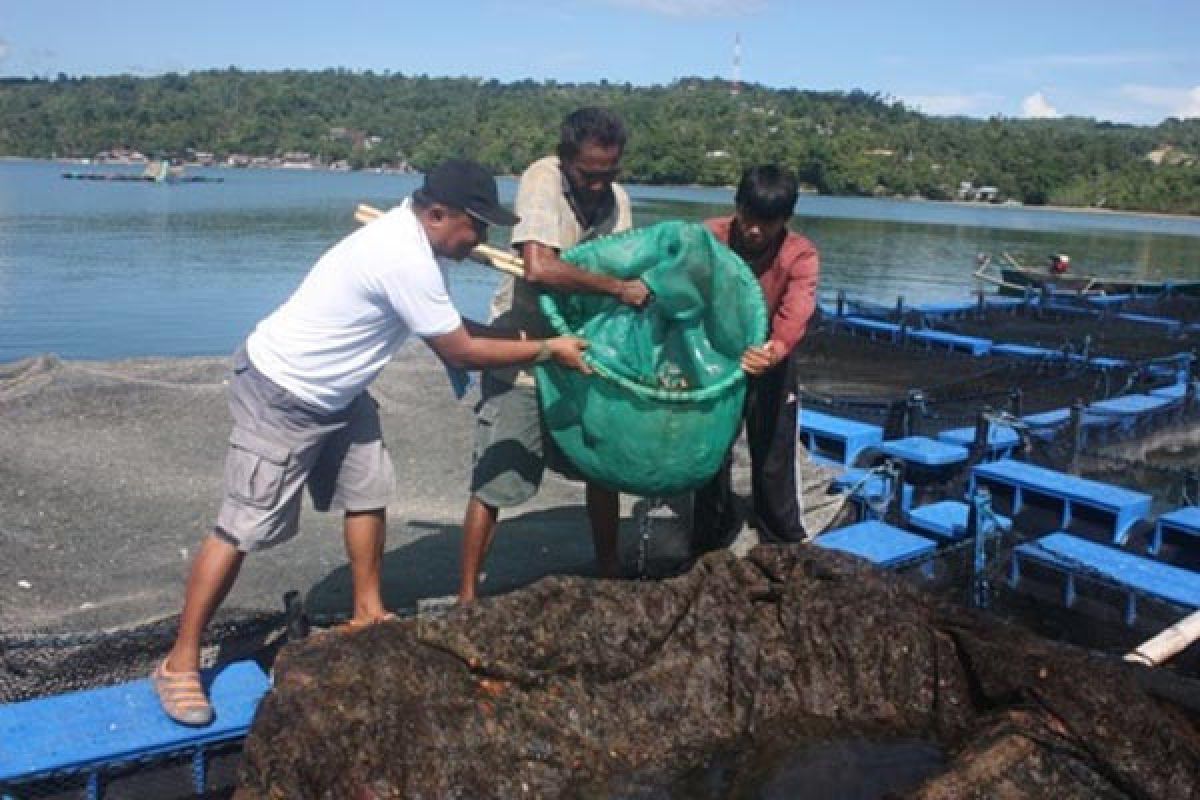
(917,534)
(125,177)
(1159,388)
(986,456)
(92,733)
(929,529)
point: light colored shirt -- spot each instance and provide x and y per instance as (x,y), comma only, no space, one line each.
(357,305)
(547,217)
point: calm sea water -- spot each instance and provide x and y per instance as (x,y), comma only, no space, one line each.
(108,270)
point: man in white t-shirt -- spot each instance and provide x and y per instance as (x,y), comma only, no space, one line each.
(301,412)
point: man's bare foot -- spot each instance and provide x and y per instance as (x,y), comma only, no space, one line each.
(359,623)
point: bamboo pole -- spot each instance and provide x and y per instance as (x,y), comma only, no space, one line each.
(485,254)
(1178,637)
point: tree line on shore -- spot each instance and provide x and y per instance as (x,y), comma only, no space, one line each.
(692,131)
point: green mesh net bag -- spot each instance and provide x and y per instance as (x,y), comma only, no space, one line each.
(665,401)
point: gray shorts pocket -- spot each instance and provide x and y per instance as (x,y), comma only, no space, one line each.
(254,468)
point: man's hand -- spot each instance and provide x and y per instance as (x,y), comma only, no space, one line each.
(633,293)
(757,360)
(567,351)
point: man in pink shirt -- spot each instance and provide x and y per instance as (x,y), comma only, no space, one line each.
(787,266)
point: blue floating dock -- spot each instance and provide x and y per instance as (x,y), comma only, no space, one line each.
(1125,505)
(946,519)
(1058,307)
(1001,439)
(1183,523)
(872,327)
(1046,423)
(1168,324)
(1122,412)
(835,438)
(1048,419)
(883,545)
(1081,558)
(1027,351)
(924,451)
(952,309)
(89,730)
(1176,391)
(953,342)
(1108,300)
(1104,362)
(1131,404)
(946,307)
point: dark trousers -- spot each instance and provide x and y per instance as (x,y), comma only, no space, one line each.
(770,415)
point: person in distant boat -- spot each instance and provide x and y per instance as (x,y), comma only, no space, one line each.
(563,199)
(1060,264)
(301,412)
(787,267)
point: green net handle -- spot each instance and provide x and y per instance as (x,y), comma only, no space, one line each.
(759,323)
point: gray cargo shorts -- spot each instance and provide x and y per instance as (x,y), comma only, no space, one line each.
(512,446)
(280,444)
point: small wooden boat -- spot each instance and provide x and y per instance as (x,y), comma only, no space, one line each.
(1016,280)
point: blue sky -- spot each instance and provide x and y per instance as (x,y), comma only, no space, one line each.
(1118,60)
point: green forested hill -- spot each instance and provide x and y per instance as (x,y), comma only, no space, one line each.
(692,131)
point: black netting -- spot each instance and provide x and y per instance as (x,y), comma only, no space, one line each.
(39,664)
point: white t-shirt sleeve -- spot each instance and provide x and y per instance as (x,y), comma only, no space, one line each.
(417,292)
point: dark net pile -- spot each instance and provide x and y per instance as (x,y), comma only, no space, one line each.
(569,687)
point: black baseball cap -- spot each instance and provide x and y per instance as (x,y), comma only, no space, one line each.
(467,186)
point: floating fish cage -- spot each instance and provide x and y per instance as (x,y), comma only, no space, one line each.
(1081,426)
(1035,458)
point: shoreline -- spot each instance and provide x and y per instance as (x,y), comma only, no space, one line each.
(1166,215)
(1069,209)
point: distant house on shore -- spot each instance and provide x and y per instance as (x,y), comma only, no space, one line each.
(120,155)
(968,192)
(297,159)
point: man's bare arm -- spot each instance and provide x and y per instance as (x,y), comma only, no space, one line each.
(462,350)
(543,266)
